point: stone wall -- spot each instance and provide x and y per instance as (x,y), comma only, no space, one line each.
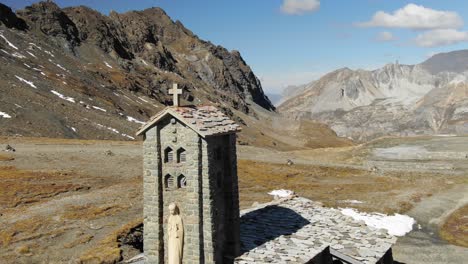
(157,197)
(223,180)
(151,197)
(209,203)
(177,136)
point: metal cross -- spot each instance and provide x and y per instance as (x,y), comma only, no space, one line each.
(175,93)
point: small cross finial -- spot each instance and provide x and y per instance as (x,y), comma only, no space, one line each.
(175,93)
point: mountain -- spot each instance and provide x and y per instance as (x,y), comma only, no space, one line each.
(77,73)
(291,91)
(455,61)
(399,100)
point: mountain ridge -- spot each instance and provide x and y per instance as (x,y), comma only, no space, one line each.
(395,100)
(74,72)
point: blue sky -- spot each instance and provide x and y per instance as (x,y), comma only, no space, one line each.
(295,41)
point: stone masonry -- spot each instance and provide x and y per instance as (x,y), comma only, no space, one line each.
(190,159)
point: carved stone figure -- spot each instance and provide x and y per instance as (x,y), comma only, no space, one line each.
(175,231)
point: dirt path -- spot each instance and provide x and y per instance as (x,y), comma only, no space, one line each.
(424,245)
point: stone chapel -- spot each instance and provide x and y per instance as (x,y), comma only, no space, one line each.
(190,170)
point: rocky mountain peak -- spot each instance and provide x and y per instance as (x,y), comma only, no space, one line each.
(114,70)
(9,18)
(48,18)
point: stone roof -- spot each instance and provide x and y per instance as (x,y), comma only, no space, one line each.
(292,230)
(205,120)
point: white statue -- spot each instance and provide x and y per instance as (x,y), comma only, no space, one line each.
(175,231)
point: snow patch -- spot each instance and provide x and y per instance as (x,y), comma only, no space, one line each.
(50,53)
(74,129)
(58,65)
(26,81)
(143,100)
(34,44)
(4,115)
(69,99)
(127,136)
(109,128)
(115,131)
(131,119)
(84,104)
(396,225)
(8,42)
(61,67)
(108,65)
(352,201)
(18,55)
(99,108)
(128,98)
(31,54)
(281,193)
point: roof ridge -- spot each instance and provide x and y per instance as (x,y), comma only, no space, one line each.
(205,120)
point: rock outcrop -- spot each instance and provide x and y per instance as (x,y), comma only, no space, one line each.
(9,18)
(88,75)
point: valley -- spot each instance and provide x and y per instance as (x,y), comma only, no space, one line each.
(76,199)
(77,83)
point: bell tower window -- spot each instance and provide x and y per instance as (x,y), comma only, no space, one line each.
(168,155)
(181,155)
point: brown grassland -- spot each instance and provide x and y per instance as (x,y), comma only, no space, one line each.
(58,214)
(391,192)
(25,187)
(6,157)
(455,228)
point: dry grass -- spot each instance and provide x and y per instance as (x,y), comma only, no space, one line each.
(321,136)
(389,193)
(19,187)
(63,141)
(455,229)
(108,249)
(4,157)
(90,212)
(12,233)
(82,239)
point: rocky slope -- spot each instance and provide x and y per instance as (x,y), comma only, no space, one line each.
(76,73)
(400,100)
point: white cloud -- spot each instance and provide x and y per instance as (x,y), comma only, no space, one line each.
(415,17)
(440,37)
(299,7)
(385,36)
